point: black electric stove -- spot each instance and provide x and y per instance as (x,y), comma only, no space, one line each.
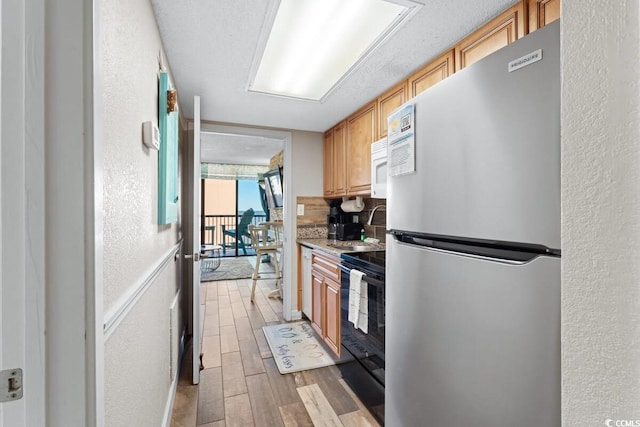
(365,373)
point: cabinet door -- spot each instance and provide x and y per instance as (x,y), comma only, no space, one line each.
(327,176)
(389,101)
(317,284)
(432,73)
(499,32)
(361,132)
(339,164)
(332,319)
(542,12)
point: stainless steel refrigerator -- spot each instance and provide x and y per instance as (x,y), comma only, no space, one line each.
(473,250)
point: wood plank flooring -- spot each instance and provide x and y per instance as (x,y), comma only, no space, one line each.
(241,385)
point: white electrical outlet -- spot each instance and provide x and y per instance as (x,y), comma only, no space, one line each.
(300,210)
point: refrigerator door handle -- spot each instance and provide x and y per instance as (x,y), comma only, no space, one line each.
(468,255)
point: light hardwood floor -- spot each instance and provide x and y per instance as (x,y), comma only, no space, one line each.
(241,385)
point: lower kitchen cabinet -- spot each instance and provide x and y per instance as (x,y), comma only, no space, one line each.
(317,284)
(325,284)
(332,307)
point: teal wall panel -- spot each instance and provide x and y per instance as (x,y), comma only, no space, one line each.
(168,157)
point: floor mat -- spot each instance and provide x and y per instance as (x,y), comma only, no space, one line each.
(296,347)
(230,269)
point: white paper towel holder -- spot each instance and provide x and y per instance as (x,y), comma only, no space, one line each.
(356,205)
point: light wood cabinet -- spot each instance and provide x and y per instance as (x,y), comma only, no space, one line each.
(317,283)
(361,132)
(542,12)
(432,73)
(332,307)
(347,155)
(497,33)
(328,166)
(389,101)
(339,160)
(334,161)
(325,276)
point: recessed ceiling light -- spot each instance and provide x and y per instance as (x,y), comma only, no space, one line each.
(308,46)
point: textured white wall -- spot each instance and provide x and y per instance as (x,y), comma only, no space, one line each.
(307,164)
(601,212)
(137,374)
(306,168)
(132,239)
(136,359)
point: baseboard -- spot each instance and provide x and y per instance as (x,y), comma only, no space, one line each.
(168,408)
(295,315)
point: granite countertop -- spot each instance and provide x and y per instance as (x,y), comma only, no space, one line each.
(337,247)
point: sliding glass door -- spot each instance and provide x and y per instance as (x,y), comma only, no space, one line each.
(228,208)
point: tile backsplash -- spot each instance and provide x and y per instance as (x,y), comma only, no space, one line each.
(316,210)
(313,223)
(378,227)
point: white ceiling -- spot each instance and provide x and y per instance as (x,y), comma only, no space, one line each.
(238,149)
(210,45)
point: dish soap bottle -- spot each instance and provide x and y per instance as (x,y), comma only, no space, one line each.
(362,237)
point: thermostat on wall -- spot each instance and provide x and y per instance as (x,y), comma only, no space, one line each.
(151,135)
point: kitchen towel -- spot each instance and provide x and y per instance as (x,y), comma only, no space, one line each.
(358,301)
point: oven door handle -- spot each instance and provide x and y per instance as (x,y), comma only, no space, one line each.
(365,278)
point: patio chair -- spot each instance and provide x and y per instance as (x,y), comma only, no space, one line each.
(239,233)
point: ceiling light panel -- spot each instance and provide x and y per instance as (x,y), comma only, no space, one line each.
(313,44)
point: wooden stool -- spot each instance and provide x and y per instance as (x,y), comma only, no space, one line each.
(266,245)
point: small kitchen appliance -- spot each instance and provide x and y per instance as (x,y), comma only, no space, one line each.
(340,225)
(348,231)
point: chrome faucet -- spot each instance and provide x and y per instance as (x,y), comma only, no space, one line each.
(374,211)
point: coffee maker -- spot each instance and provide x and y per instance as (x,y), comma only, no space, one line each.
(340,225)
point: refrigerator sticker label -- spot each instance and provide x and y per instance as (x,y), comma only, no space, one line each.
(401,141)
(523,61)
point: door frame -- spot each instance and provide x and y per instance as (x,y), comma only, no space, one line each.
(22,204)
(289,284)
(74,213)
(194,250)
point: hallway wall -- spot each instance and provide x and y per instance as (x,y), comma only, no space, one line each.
(138,350)
(601,205)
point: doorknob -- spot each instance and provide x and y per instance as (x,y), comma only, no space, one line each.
(196,256)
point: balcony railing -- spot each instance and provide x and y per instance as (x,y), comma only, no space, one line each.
(211,231)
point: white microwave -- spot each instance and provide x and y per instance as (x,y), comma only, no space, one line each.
(379,169)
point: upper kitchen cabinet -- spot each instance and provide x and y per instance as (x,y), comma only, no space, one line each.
(327,161)
(361,132)
(542,12)
(334,161)
(432,73)
(497,33)
(389,101)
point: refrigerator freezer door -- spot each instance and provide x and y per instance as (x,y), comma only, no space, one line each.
(488,151)
(471,342)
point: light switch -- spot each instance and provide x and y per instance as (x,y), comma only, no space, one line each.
(300,210)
